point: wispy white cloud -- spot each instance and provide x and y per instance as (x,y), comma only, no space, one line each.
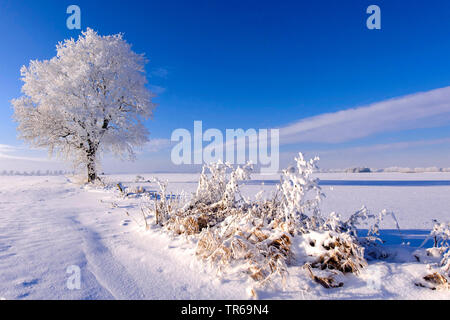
(420,110)
(35,159)
(17,153)
(388,146)
(412,154)
(4,148)
(156,145)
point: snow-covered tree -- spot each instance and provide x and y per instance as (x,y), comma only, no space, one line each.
(89,99)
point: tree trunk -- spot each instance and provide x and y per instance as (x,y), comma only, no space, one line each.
(91,169)
(92,173)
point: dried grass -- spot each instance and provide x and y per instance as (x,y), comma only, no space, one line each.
(327,282)
(435,281)
(342,254)
(264,255)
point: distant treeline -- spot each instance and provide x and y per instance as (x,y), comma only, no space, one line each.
(35,173)
(390,169)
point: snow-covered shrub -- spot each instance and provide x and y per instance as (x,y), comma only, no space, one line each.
(257,235)
(165,205)
(332,251)
(217,197)
(301,196)
(357,219)
(261,237)
(220,185)
(243,241)
(441,235)
(445,263)
(372,242)
(441,248)
(436,257)
(230,230)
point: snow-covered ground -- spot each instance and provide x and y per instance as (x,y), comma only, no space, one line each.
(48,224)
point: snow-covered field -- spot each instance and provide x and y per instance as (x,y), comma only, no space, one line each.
(48,224)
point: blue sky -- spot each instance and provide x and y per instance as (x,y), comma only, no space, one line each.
(263,64)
